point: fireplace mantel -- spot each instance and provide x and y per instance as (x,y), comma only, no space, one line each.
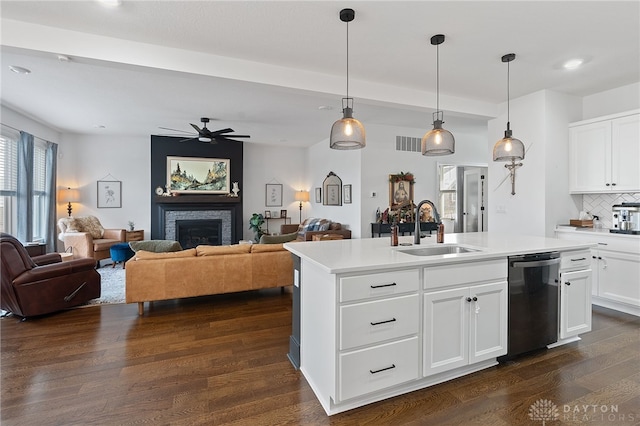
(198,199)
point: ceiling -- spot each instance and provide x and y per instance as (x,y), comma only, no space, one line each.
(265,68)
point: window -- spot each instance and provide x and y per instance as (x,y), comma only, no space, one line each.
(448,194)
(8,185)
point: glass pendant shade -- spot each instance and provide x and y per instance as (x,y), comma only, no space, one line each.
(508,148)
(347,133)
(438,141)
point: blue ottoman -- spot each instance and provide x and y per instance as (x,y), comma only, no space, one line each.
(120,252)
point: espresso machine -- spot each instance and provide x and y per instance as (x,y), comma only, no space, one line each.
(626,218)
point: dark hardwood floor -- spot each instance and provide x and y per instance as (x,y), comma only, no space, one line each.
(222,360)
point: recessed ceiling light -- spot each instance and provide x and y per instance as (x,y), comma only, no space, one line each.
(325,107)
(19,70)
(63,58)
(99,126)
(572,64)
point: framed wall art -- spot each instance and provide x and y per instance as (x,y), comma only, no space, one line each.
(109,194)
(192,175)
(267,214)
(347,194)
(332,188)
(283,214)
(273,195)
(401,188)
(318,195)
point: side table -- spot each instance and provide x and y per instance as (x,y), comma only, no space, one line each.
(36,249)
(135,235)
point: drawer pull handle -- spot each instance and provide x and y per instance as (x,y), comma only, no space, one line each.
(382,369)
(383,322)
(383,285)
(579,260)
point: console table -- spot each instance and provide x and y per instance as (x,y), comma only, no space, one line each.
(406,227)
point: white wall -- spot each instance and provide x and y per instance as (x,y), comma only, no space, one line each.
(88,159)
(29,125)
(541,200)
(273,164)
(612,101)
(380,159)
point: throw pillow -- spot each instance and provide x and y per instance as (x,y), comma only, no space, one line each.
(312,224)
(218,250)
(149,255)
(156,246)
(92,225)
(277,239)
(72,225)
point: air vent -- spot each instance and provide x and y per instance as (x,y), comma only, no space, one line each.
(407,143)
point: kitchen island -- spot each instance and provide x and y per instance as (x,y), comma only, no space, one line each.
(375,321)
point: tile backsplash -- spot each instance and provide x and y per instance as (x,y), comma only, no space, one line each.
(600,204)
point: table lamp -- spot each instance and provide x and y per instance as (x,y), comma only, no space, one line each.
(301,196)
(70,196)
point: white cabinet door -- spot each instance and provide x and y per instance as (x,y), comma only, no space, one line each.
(590,157)
(487,322)
(575,303)
(619,277)
(446,333)
(625,152)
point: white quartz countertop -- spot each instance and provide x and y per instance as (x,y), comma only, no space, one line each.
(371,254)
(604,232)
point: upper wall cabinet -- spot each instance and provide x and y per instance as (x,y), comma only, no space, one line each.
(604,153)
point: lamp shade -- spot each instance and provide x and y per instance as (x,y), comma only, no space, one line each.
(302,196)
(347,133)
(508,148)
(438,141)
(69,195)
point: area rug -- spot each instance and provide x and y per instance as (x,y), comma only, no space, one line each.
(112,283)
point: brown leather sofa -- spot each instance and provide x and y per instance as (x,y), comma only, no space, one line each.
(206,270)
(43,284)
(305,234)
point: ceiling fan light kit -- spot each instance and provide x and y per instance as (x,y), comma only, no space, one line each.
(348,132)
(509,148)
(438,141)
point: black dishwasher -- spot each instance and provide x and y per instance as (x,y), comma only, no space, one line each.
(533,302)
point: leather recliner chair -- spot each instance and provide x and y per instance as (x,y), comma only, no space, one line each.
(43,284)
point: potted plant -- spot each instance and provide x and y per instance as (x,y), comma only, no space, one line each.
(255,224)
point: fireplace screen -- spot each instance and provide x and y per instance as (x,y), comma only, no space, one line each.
(192,233)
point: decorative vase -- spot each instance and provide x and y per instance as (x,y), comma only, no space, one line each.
(235,189)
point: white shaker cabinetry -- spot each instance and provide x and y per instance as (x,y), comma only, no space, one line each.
(468,324)
(615,265)
(603,154)
(575,293)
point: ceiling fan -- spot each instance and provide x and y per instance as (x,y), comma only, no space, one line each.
(209,136)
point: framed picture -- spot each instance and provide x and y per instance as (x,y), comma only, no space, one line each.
(347,194)
(267,214)
(192,175)
(283,214)
(273,195)
(401,188)
(332,188)
(109,194)
(318,195)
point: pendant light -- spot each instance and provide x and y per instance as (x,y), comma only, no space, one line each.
(438,141)
(347,133)
(509,148)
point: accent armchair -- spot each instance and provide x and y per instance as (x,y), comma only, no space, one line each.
(43,284)
(86,237)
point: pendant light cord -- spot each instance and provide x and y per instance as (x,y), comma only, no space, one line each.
(437,78)
(508,94)
(347,60)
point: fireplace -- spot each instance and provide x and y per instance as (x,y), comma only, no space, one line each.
(192,233)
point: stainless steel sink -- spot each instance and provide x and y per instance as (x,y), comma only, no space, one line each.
(438,250)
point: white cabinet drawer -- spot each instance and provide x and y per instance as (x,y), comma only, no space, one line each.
(465,273)
(376,285)
(383,366)
(377,321)
(575,260)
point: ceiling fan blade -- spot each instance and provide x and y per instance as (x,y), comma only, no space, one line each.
(173,130)
(239,136)
(196,127)
(217,132)
(188,139)
(229,140)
